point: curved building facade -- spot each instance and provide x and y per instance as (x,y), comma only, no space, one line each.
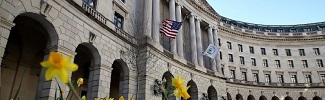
(120,51)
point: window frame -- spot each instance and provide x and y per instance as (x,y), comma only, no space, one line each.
(229,46)
(116,21)
(290,64)
(244,76)
(280,78)
(231,58)
(253,61)
(267,78)
(293,78)
(288,52)
(242,60)
(232,74)
(255,77)
(319,63)
(316,50)
(278,63)
(308,79)
(265,63)
(304,64)
(240,48)
(275,52)
(251,49)
(302,52)
(263,51)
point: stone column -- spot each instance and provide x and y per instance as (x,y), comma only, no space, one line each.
(172,17)
(99,81)
(199,42)
(193,40)
(147,21)
(155,20)
(217,60)
(179,37)
(213,62)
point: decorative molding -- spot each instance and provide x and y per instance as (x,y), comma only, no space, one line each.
(6,24)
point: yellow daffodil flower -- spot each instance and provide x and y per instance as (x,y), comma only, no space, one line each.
(182,92)
(111,99)
(106,98)
(80,81)
(58,65)
(132,98)
(121,98)
(83,97)
(178,82)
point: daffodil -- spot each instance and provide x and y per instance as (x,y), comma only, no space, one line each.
(178,82)
(106,98)
(58,65)
(80,81)
(83,97)
(111,99)
(121,98)
(132,98)
(182,92)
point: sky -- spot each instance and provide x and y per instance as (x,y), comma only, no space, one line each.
(271,12)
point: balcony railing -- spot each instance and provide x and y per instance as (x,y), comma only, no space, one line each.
(125,35)
(90,10)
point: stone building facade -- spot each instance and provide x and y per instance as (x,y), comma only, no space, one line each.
(119,50)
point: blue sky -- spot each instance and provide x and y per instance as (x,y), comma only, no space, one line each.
(271,12)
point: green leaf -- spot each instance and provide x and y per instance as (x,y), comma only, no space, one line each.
(61,96)
(21,80)
(55,93)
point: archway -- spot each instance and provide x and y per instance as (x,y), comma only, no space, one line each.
(119,80)
(27,41)
(317,98)
(239,97)
(288,98)
(263,97)
(302,98)
(250,97)
(193,91)
(212,93)
(228,96)
(275,98)
(167,76)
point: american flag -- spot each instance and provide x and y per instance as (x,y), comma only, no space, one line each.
(170,28)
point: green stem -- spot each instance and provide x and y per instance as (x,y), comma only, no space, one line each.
(73,90)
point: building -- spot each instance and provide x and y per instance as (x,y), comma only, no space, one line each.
(119,50)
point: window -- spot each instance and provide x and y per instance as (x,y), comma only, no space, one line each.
(267,78)
(308,78)
(277,64)
(301,52)
(267,30)
(251,49)
(223,70)
(230,58)
(229,45)
(92,3)
(253,62)
(293,78)
(244,76)
(123,1)
(307,29)
(322,78)
(290,64)
(319,62)
(242,60)
(321,28)
(293,30)
(256,29)
(316,51)
(232,74)
(265,64)
(304,63)
(280,79)
(219,42)
(288,52)
(118,20)
(280,30)
(255,77)
(275,52)
(220,55)
(263,51)
(240,48)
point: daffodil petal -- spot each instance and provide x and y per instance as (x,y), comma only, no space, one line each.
(71,66)
(64,75)
(177,93)
(50,73)
(46,64)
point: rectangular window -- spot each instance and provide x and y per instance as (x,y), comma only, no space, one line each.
(322,78)
(321,28)
(265,64)
(267,78)
(253,62)
(280,79)
(308,78)
(319,62)
(302,52)
(267,30)
(232,74)
(304,63)
(316,50)
(263,51)
(219,42)
(223,70)
(293,30)
(244,76)
(275,52)
(229,45)
(251,49)
(307,29)
(277,64)
(240,48)
(280,30)
(290,64)
(288,52)
(255,77)
(242,60)
(220,55)
(230,58)
(293,78)
(118,20)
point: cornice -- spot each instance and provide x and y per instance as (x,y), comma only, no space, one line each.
(208,12)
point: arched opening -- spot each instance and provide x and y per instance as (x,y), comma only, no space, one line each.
(250,97)
(229,96)
(119,80)
(212,93)
(317,98)
(288,98)
(275,98)
(239,97)
(86,58)
(302,98)
(193,91)
(263,97)
(167,76)
(27,41)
